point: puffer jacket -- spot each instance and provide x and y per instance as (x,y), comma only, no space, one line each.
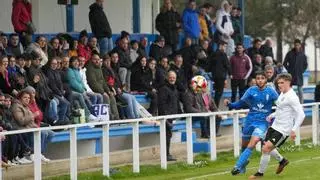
(22,115)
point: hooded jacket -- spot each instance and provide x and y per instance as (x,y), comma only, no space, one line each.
(224,24)
(191,24)
(98,21)
(21,15)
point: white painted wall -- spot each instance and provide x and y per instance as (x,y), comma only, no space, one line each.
(146,16)
(49,17)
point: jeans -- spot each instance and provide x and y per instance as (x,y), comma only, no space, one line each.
(132,108)
(46,137)
(95,98)
(111,100)
(106,45)
(75,96)
(300,94)
(58,108)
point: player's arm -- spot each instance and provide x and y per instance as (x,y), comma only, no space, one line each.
(299,115)
(241,103)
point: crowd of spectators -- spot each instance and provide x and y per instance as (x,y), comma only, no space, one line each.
(50,81)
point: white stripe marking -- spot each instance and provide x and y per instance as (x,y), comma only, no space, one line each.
(227,172)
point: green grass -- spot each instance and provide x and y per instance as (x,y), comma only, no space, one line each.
(301,166)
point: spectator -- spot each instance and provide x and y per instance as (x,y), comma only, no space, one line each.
(98,84)
(235,19)
(134,50)
(189,54)
(190,21)
(257,65)
(280,68)
(266,48)
(161,72)
(210,22)
(142,51)
(54,48)
(3,44)
(168,24)
(203,55)
(19,80)
(73,51)
(125,34)
(95,98)
(39,47)
(124,62)
(143,80)
(255,49)
(5,86)
(204,35)
(168,103)
(14,47)
(100,26)
(270,75)
(93,44)
(12,68)
(46,135)
(219,66)
(110,68)
(22,20)
(241,68)
(83,48)
(224,27)
(181,81)
(296,63)
(157,48)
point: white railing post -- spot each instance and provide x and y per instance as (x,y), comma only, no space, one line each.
(0,156)
(315,124)
(298,137)
(73,154)
(189,141)
(105,150)
(37,155)
(236,135)
(135,147)
(213,140)
(163,144)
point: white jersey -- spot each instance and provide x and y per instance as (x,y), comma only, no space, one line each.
(289,113)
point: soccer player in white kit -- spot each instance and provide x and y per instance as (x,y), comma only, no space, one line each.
(288,117)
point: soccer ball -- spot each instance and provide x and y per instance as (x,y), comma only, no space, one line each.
(198,83)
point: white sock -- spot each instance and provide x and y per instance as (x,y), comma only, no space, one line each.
(275,153)
(264,161)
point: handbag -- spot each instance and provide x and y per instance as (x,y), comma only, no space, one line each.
(31,29)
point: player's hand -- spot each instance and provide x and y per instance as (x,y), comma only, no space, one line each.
(293,135)
(269,118)
(226,102)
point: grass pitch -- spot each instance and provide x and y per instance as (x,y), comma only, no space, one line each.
(304,164)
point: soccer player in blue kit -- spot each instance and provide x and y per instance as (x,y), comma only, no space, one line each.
(259,99)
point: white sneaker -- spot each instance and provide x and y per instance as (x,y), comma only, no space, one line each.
(43,158)
(11,163)
(15,160)
(93,118)
(24,160)
(31,157)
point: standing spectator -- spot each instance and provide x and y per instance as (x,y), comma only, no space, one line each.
(241,68)
(189,53)
(266,48)
(219,66)
(255,49)
(168,103)
(157,48)
(168,24)
(204,35)
(83,48)
(224,27)
(202,56)
(235,19)
(190,22)
(270,75)
(14,47)
(209,7)
(257,65)
(100,27)
(22,20)
(296,63)
(181,80)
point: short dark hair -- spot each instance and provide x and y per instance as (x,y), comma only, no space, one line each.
(297,41)
(13,34)
(256,40)
(207,5)
(284,76)
(260,73)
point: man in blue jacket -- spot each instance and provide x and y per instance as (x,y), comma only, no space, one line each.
(190,21)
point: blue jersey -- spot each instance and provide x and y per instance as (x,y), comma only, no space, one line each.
(259,102)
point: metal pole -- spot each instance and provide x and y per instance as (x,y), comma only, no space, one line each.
(315,124)
(105,150)
(189,141)
(73,154)
(236,135)
(163,144)
(298,137)
(135,147)
(37,155)
(316,44)
(213,140)
(70,17)
(242,20)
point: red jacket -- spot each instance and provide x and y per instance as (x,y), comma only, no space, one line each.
(84,51)
(21,14)
(241,66)
(33,107)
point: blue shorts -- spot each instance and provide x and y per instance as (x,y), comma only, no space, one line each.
(256,128)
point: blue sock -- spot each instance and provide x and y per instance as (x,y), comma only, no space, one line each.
(244,158)
(243,148)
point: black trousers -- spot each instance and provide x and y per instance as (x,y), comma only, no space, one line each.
(235,84)
(169,127)
(218,88)
(153,109)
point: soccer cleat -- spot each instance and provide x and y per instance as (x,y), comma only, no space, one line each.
(244,168)
(235,171)
(257,175)
(281,166)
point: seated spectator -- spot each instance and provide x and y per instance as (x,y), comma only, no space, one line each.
(5,86)
(181,81)
(142,51)
(255,49)
(161,72)
(143,80)
(257,65)
(110,68)
(73,51)
(40,48)
(270,75)
(93,44)
(46,135)
(134,54)
(98,84)
(55,48)
(83,48)
(14,47)
(3,44)
(12,68)
(157,49)
(95,98)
